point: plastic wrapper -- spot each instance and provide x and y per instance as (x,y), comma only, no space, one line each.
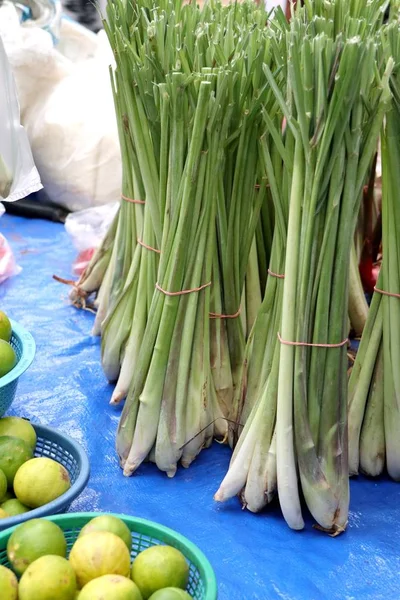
(87,229)
(8,266)
(67,109)
(18,174)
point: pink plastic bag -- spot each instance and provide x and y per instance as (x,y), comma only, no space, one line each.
(8,266)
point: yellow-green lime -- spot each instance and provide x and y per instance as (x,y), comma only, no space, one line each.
(33,539)
(99,553)
(171,593)
(40,480)
(8,584)
(5,327)
(19,428)
(110,587)
(14,452)
(48,578)
(111,524)
(159,567)
(8,358)
(3,485)
(14,507)
(3,514)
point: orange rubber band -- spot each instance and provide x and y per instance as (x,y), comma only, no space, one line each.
(147,247)
(386,293)
(275,274)
(218,316)
(339,345)
(132,200)
(182,292)
(258,186)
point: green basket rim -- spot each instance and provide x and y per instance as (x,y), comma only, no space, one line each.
(27,356)
(150,528)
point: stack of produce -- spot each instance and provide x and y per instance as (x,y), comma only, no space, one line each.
(98,566)
(26,482)
(374,386)
(180,284)
(334,106)
(225,284)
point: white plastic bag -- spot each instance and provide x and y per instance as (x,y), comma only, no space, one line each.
(67,109)
(87,229)
(8,266)
(18,174)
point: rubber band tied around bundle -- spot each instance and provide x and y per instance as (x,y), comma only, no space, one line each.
(132,200)
(221,316)
(275,274)
(182,292)
(141,243)
(288,343)
(384,293)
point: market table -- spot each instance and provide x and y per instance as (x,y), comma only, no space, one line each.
(254,556)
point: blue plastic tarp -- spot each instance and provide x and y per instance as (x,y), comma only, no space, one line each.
(255,557)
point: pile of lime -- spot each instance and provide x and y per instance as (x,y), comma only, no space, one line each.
(8,358)
(26,482)
(98,568)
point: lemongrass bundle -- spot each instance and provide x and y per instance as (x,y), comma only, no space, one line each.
(374,408)
(334,118)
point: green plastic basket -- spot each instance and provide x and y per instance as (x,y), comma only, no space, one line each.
(24,346)
(202,583)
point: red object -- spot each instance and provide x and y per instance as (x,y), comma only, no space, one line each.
(369,272)
(82,261)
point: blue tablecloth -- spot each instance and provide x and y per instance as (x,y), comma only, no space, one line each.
(255,557)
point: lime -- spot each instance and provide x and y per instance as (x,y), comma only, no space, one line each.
(5,327)
(3,485)
(8,358)
(159,567)
(99,553)
(110,587)
(8,584)
(19,428)
(40,481)
(13,453)
(171,593)
(14,507)
(3,514)
(48,578)
(111,524)
(34,539)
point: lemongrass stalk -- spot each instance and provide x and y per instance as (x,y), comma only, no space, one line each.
(219,351)
(103,298)
(361,380)
(236,477)
(261,481)
(372,438)
(358,307)
(253,289)
(391,283)
(261,485)
(285,454)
